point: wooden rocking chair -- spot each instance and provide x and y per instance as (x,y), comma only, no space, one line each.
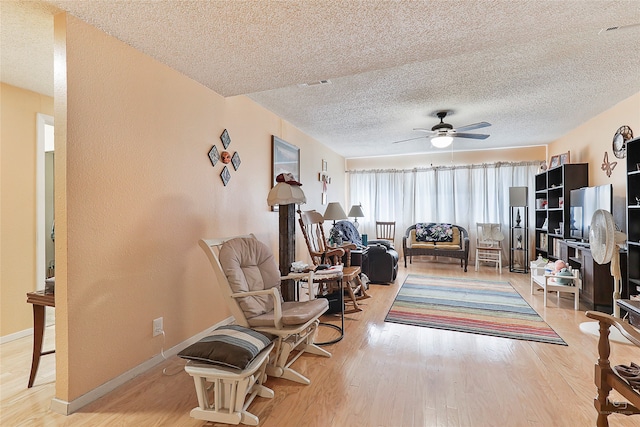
(311,224)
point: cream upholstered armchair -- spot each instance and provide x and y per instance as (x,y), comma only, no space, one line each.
(248,276)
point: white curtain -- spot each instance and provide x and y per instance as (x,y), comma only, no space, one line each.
(461,195)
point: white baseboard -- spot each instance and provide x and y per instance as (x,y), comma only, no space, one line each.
(66,408)
(16,336)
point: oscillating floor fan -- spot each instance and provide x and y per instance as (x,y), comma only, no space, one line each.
(604,240)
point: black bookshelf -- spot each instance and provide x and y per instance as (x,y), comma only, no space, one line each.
(552,216)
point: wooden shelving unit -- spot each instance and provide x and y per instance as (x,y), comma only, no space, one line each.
(633,219)
(552,216)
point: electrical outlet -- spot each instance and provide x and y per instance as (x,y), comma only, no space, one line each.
(157,326)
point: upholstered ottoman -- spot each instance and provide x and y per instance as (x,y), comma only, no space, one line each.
(228,369)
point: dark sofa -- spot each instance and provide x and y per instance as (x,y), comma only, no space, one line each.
(383,258)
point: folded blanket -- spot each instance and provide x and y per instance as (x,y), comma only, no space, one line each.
(349,232)
(331,270)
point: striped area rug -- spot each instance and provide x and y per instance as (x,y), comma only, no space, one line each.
(469,305)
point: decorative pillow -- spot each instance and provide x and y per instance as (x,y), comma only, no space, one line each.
(421,231)
(232,346)
(430,232)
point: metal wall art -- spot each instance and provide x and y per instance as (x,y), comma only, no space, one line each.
(607,166)
(225,176)
(225,138)
(214,156)
(235,160)
(225,157)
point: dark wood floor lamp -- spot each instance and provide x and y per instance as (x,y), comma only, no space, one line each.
(286,194)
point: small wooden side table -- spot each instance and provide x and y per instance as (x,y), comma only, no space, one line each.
(40,300)
(544,281)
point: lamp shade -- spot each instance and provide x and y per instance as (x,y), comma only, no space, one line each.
(356,211)
(441,141)
(286,194)
(335,212)
(518,196)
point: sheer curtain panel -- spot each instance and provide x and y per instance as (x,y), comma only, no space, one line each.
(462,195)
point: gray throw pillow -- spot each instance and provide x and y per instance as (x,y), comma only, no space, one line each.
(232,346)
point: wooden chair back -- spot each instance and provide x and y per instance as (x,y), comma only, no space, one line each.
(386,230)
(489,235)
(311,224)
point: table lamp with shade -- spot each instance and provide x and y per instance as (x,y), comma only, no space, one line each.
(334,212)
(286,193)
(356,212)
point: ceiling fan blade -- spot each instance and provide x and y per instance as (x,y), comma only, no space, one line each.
(470,135)
(473,126)
(426,130)
(410,139)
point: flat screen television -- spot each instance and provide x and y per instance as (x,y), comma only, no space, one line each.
(583,204)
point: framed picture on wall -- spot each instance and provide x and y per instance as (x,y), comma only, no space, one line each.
(554,162)
(564,158)
(286,159)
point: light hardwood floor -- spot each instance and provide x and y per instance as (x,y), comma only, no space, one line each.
(381,374)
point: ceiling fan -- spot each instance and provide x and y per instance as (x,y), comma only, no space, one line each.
(443,133)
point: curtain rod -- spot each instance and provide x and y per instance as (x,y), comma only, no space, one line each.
(432,168)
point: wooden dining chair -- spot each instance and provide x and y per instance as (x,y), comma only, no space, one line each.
(386,230)
(488,244)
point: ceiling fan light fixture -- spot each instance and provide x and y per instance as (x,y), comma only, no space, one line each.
(441,141)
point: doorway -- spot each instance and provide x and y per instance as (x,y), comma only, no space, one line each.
(45,228)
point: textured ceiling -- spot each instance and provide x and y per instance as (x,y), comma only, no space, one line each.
(534,69)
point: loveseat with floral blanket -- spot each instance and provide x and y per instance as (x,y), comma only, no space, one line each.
(436,239)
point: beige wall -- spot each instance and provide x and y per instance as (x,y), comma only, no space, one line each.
(135,190)
(589,142)
(447,158)
(18,109)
